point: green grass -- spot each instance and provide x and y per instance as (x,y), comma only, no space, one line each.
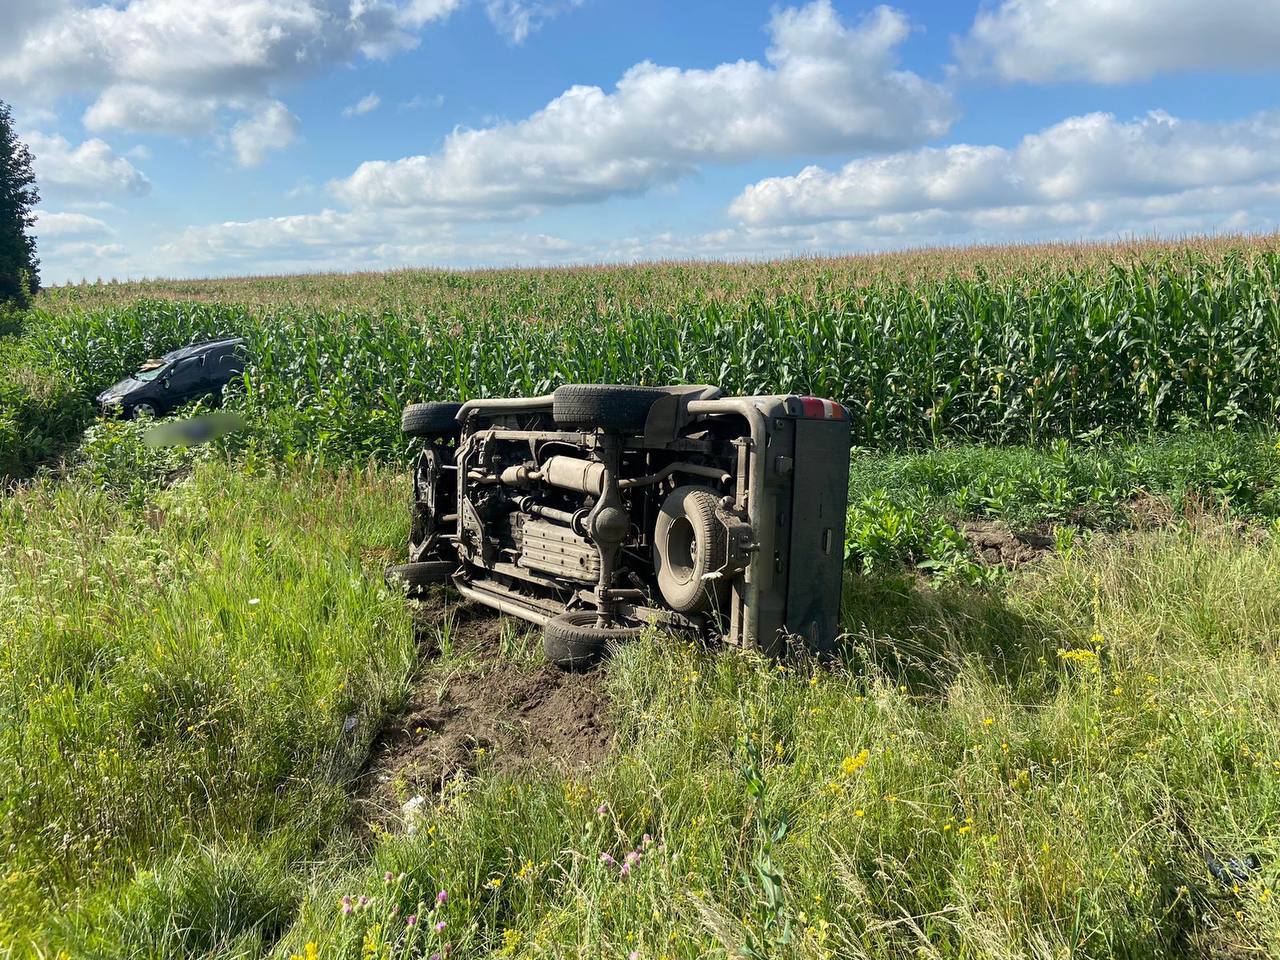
(184,673)
(1088,484)
(1046,759)
(196,649)
(908,507)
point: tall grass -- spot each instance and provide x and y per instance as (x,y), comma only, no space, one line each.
(1047,775)
(211,668)
(1046,768)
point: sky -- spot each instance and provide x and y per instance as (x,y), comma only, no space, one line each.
(190,138)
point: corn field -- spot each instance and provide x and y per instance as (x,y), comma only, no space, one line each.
(1024,345)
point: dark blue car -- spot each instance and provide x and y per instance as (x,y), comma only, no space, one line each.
(163,385)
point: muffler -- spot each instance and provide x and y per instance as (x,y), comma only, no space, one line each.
(567,473)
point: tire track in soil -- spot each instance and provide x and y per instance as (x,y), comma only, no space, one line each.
(481,710)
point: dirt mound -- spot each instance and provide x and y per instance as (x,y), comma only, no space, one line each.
(995,544)
(481,710)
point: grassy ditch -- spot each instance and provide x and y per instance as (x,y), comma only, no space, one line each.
(1043,764)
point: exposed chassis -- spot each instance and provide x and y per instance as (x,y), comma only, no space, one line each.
(676,506)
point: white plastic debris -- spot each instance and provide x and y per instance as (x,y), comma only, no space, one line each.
(412,813)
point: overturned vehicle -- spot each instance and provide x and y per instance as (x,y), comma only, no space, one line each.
(598,509)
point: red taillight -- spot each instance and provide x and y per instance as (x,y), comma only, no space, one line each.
(815,408)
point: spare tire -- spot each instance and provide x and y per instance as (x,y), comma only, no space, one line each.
(414,578)
(603,406)
(689,542)
(572,641)
(430,419)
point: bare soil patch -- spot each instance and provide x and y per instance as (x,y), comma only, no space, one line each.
(483,710)
(997,545)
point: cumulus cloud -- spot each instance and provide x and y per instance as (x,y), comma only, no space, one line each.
(366,104)
(333,239)
(91,169)
(516,19)
(1085,175)
(1117,41)
(172,66)
(58,225)
(272,127)
(826,86)
(133,106)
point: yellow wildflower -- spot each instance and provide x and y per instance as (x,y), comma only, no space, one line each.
(1079,655)
(851,765)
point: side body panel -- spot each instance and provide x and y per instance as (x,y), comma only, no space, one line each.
(770,566)
(819,505)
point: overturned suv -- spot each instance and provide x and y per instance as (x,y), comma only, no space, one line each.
(597,509)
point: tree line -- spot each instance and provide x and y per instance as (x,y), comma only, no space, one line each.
(19,266)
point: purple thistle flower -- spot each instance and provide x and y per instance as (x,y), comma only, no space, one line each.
(601,810)
(633,857)
(440,926)
(625,871)
(346,905)
(442,897)
(388,876)
(607,858)
(411,920)
(646,841)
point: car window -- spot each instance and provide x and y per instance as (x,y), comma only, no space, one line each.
(184,372)
(151,371)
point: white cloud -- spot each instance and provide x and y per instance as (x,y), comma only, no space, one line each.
(827,86)
(1116,41)
(23,16)
(305,187)
(516,19)
(175,66)
(92,168)
(134,106)
(347,240)
(92,252)
(272,127)
(366,104)
(58,225)
(1087,175)
(418,101)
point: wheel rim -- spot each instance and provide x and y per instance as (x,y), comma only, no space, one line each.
(144,410)
(682,549)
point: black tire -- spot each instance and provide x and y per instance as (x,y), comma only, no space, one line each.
(572,641)
(414,578)
(603,406)
(430,419)
(689,542)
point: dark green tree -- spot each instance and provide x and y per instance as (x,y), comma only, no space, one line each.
(19,268)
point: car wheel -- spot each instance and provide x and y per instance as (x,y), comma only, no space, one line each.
(603,406)
(143,410)
(573,640)
(689,543)
(430,419)
(414,578)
